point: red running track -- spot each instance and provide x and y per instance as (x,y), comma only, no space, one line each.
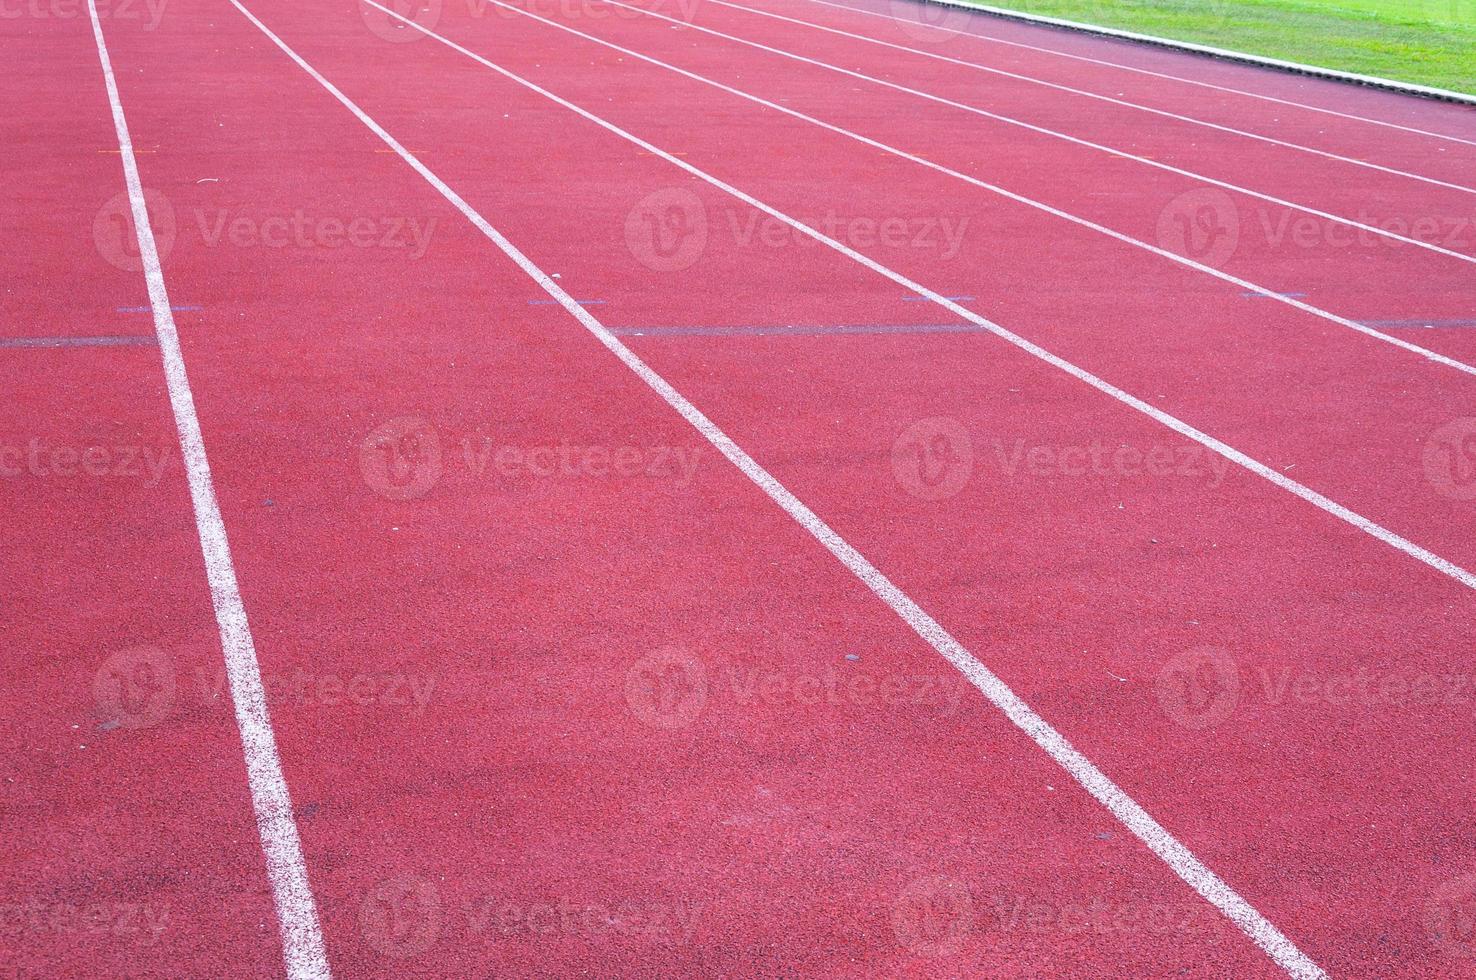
(556,687)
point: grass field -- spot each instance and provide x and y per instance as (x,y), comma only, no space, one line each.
(1432,42)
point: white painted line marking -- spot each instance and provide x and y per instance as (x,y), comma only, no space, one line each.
(1128,812)
(1244,57)
(1174,78)
(1107,98)
(1337,510)
(1280,202)
(996,189)
(1187,81)
(297,914)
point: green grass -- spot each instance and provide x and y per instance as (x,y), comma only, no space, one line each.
(1432,42)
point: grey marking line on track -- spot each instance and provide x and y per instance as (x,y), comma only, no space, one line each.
(302,938)
(1132,816)
(796,330)
(1054,134)
(996,189)
(147,341)
(1421,324)
(1135,105)
(150,309)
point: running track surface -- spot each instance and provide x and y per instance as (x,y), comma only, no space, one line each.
(635,588)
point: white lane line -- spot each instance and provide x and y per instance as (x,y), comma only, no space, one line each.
(297,913)
(1337,510)
(1173,78)
(1245,284)
(1107,98)
(1123,154)
(1124,808)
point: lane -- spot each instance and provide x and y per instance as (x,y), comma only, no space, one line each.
(1131,600)
(1069,58)
(559,800)
(1165,133)
(131,847)
(61,185)
(1248,357)
(1346,266)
